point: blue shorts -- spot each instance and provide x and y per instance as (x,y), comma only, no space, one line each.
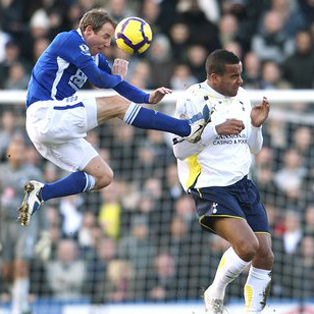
(239,200)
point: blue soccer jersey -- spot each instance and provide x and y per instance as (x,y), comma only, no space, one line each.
(67,64)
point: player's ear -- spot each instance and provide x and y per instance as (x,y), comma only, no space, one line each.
(89,30)
(214,78)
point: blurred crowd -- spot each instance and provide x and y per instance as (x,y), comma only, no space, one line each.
(139,238)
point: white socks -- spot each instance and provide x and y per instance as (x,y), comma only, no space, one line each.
(20,291)
(229,268)
(256,290)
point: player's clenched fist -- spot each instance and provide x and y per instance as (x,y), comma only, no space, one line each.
(230,126)
(120,67)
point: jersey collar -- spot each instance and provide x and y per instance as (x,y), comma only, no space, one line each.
(80,33)
(213,92)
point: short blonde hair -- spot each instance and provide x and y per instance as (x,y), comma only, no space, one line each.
(96,18)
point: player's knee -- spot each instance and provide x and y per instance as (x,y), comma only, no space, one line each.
(270,259)
(113,106)
(247,249)
(103,180)
(266,258)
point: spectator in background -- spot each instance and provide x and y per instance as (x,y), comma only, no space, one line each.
(292,16)
(151,12)
(304,268)
(181,77)
(307,8)
(161,60)
(119,9)
(179,35)
(123,149)
(148,163)
(228,29)
(303,143)
(309,219)
(18,242)
(276,133)
(163,278)
(40,45)
(85,234)
(72,218)
(263,172)
(289,178)
(288,244)
(235,47)
(248,13)
(17,77)
(139,248)
(172,187)
(298,69)
(271,42)
(185,208)
(119,281)
(39,28)
(202,31)
(33,158)
(96,282)
(252,71)
(110,212)
(66,275)
(8,127)
(161,148)
(13,17)
(196,56)
(140,75)
(272,77)
(74,14)
(11,56)
(4,39)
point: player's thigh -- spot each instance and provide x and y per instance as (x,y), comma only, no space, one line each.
(111,107)
(73,155)
(264,257)
(100,170)
(237,232)
(55,121)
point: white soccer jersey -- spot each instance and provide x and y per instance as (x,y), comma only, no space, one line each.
(217,160)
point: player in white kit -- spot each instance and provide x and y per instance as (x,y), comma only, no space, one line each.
(215,172)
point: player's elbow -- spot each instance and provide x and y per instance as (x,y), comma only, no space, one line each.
(179,154)
(255,150)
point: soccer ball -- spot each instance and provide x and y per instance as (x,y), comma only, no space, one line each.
(133,35)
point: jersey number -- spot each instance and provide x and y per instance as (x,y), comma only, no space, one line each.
(77,80)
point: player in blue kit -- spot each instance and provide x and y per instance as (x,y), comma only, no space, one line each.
(57,120)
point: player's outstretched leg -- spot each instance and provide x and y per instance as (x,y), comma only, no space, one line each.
(188,129)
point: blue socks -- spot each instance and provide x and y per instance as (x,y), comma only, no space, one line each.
(74,183)
(151,119)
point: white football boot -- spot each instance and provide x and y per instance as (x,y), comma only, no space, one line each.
(213,306)
(197,124)
(31,202)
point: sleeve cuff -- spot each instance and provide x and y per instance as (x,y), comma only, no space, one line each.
(209,133)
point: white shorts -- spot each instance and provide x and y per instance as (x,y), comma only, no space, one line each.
(57,129)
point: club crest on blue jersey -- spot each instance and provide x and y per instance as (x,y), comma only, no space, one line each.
(85,50)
